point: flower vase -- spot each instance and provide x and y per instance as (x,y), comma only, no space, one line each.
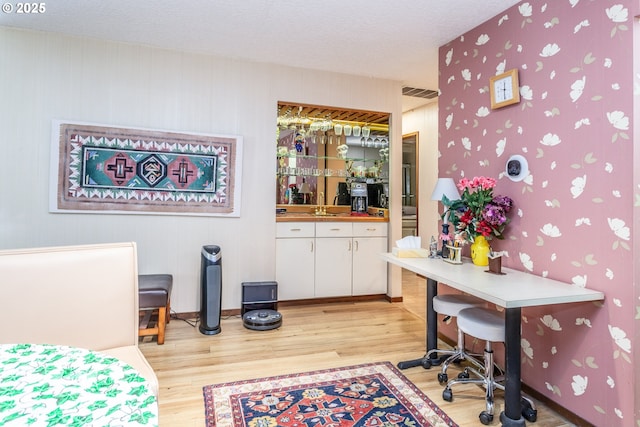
(480,251)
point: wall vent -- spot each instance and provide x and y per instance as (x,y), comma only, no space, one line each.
(419,93)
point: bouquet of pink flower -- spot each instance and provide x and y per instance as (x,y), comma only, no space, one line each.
(478,211)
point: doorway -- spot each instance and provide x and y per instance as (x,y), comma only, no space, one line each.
(410,181)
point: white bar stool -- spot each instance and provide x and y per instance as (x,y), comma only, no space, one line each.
(448,305)
(487,325)
(451,305)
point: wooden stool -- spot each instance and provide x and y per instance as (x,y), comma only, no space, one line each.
(154,297)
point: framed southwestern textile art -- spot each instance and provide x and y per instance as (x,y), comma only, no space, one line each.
(104,169)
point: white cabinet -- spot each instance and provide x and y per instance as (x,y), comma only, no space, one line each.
(330,259)
(369,272)
(295,260)
(334,248)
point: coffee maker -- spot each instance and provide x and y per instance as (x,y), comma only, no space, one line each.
(342,194)
(359,198)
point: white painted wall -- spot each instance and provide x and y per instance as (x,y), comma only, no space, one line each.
(47,76)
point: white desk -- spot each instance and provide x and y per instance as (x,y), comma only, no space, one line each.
(513,290)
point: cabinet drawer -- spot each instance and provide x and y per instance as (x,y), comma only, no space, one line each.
(334,229)
(370,229)
(295,229)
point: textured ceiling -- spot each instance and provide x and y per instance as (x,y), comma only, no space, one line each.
(390,39)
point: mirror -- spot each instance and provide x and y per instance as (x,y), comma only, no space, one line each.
(410,184)
(321,151)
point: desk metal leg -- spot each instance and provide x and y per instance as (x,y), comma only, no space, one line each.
(431,335)
(432,318)
(511,416)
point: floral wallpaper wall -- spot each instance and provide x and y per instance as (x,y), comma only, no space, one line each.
(573,214)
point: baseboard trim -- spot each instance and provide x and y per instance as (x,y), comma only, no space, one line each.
(329,300)
(560,410)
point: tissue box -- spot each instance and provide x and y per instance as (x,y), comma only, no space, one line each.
(410,253)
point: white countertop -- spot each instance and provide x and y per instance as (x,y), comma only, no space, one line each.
(513,289)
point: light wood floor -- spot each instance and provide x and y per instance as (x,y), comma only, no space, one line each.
(312,337)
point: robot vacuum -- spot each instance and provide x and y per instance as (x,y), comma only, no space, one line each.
(262,320)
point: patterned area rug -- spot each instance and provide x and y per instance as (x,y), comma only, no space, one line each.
(368,395)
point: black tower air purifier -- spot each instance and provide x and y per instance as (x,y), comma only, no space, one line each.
(211,290)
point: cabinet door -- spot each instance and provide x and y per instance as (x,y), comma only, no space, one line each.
(369,270)
(295,260)
(333,267)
